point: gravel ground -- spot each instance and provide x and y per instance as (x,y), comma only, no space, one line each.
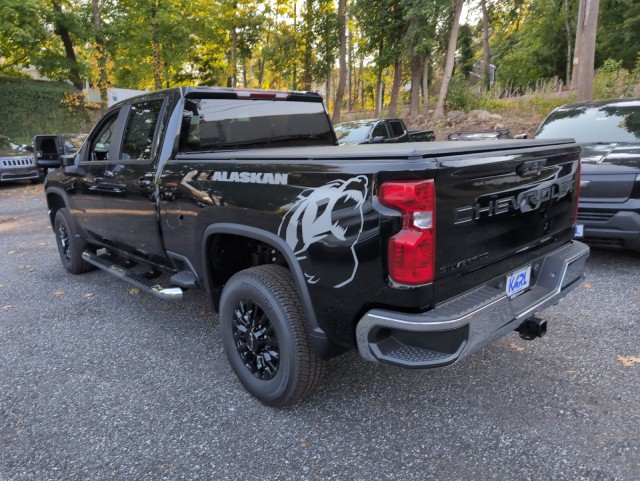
(99,383)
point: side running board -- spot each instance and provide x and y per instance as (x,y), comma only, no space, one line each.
(169,293)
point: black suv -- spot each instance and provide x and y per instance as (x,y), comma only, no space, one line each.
(609,133)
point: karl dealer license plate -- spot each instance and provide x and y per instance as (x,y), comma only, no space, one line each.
(518,281)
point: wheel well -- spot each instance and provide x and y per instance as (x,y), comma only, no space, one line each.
(228,254)
(55,202)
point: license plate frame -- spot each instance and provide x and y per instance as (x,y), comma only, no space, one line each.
(518,281)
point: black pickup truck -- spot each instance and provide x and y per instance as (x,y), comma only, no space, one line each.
(415,255)
(380,131)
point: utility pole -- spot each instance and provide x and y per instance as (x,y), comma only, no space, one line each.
(585,51)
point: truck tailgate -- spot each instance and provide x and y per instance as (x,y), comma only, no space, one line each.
(496,212)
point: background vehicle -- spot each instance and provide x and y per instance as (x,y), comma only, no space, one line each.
(416,255)
(481,135)
(379,131)
(609,133)
(17,162)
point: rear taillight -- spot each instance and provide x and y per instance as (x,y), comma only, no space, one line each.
(578,174)
(412,250)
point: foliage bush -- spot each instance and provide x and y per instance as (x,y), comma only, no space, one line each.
(612,80)
(30,107)
(539,101)
(462,95)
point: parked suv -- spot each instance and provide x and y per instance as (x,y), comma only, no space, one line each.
(17,162)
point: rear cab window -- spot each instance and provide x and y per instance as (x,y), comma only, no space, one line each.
(380,130)
(397,128)
(229,124)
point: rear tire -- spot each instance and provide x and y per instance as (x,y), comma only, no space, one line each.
(70,244)
(265,337)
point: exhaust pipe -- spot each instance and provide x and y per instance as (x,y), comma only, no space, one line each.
(532,328)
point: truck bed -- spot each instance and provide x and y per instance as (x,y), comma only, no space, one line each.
(376,151)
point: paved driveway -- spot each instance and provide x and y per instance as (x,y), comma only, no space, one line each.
(99,383)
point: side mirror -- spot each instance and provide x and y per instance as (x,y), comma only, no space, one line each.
(68,160)
(377,140)
(74,170)
(521,136)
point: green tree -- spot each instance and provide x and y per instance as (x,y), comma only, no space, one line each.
(530,42)
(382,23)
(618,32)
(21,34)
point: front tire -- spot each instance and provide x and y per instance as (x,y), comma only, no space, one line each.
(265,337)
(70,244)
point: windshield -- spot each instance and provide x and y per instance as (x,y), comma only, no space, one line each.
(6,144)
(352,132)
(615,122)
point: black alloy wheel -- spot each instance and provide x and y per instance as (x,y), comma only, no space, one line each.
(266,338)
(256,340)
(63,240)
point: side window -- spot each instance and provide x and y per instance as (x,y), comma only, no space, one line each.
(380,130)
(101,142)
(140,130)
(397,129)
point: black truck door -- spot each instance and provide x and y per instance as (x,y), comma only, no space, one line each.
(84,186)
(130,179)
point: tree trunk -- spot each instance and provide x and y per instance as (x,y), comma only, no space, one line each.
(342,59)
(295,47)
(155,46)
(328,87)
(568,29)
(234,57)
(361,80)
(65,36)
(244,74)
(395,88)
(448,67)
(485,47)
(584,82)
(576,50)
(379,89)
(425,85)
(416,75)
(261,63)
(350,73)
(307,77)
(101,54)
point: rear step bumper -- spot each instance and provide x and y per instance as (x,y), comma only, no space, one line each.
(170,293)
(466,324)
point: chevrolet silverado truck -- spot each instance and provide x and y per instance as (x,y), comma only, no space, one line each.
(416,255)
(379,131)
